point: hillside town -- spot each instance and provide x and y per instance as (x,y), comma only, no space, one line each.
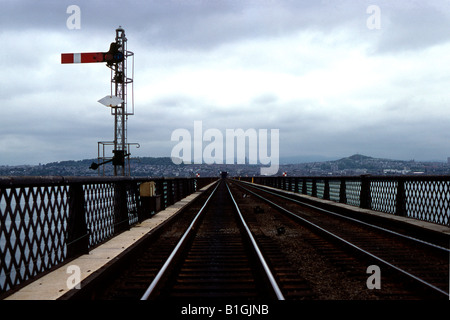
(164,167)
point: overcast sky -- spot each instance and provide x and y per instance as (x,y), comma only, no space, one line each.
(332,77)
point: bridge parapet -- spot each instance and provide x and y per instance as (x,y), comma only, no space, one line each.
(46,221)
(420,197)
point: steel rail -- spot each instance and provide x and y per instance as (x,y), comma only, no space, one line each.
(351,244)
(169,260)
(263,262)
(350,218)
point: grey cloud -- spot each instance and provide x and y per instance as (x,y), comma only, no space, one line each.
(51,106)
(411,28)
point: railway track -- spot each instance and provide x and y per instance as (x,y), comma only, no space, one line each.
(412,268)
(219,258)
(214,256)
(242,242)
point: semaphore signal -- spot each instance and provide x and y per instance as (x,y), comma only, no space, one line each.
(116,59)
(114,55)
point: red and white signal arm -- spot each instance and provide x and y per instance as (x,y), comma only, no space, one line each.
(285,174)
(87,57)
(197,175)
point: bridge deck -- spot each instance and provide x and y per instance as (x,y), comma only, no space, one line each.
(54,284)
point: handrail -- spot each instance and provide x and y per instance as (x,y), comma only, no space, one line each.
(9,181)
(422,197)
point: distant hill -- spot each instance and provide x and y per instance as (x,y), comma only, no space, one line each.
(359,161)
(358,164)
(79,167)
(357,157)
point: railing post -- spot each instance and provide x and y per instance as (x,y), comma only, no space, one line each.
(121,222)
(364,197)
(160,191)
(176,190)
(400,199)
(170,192)
(196,188)
(314,187)
(77,238)
(304,187)
(180,190)
(186,188)
(326,189)
(343,192)
(296,185)
(183,188)
(137,198)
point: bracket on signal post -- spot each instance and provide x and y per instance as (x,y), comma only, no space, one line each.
(118,160)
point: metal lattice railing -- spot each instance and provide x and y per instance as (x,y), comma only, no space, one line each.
(383,195)
(32,231)
(46,220)
(425,198)
(99,199)
(428,200)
